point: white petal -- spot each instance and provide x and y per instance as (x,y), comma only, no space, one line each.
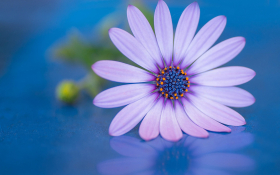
(164,31)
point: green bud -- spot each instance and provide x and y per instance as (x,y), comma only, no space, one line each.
(67,91)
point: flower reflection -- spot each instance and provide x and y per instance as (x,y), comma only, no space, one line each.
(188,156)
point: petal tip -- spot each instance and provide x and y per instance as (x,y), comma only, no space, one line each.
(174,139)
(112,133)
(240,123)
(195,3)
(241,39)
(95,102)
(146,138)
(160,2)
(203,135)
(228,130)
(223,18)
(253,74)
(111,30)
(206,135)
(93,67)
(254,100)
(129,7)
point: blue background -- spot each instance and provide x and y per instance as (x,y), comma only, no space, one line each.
(40,135)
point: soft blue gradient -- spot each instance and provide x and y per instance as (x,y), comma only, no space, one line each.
(39,135)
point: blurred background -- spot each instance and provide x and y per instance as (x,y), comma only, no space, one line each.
(48,124)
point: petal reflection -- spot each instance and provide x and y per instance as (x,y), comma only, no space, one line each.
(215,155)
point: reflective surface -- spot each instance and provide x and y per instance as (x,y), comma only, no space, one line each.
(217,155)
(39,135)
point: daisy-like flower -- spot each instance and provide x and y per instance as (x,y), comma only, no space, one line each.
(183,91)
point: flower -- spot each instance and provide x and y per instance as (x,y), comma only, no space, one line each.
(190,156)
(183,91)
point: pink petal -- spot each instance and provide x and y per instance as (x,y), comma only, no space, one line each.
(149,128)
(132,147)
(226,76)
(218,55)
(121,72)
(132,49)
(122,95)
(169,127)
(230,96)
(144,33)
(186,124)
(131,115)
(164,31)
(217,111)
(185,31)
(201,119)
(204,39)
(123,166)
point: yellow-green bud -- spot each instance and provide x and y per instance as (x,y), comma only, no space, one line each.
(67,91)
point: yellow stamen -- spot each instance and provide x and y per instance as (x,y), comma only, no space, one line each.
(178,67)
(175,94)
(160,89)
(187,78)
(163,79)
(188,81)
(170,67)
(157,79)
(165,68)
(161,83)
(166,95)
(157,84)
(162,72)
(188,85)
(182,95)
(162,93)
(176,98)
(171,98)
(186,90)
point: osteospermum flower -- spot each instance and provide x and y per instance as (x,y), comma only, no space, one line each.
(183,91)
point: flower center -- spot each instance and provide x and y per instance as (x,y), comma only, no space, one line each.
(172,82)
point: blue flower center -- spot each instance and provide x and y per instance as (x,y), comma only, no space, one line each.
(172,82)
